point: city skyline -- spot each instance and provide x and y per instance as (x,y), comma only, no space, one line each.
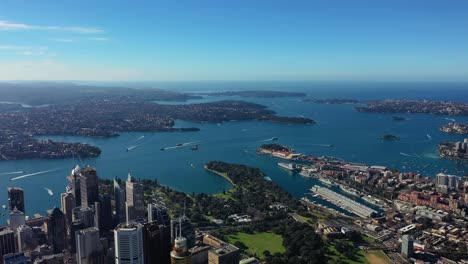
(207,40)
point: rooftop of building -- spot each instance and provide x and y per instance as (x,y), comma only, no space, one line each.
(224,249)
(6,231)
(15,188)
(128,226)
(89,230)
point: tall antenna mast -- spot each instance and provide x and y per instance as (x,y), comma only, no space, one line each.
(180,227)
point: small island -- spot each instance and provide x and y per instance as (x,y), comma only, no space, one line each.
(455,128)
(389,137)
(332,101)
(259,94)
(269,148)
(399,118)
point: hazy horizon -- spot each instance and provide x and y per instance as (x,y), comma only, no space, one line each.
(241,40)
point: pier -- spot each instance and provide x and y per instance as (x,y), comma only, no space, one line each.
(344,202)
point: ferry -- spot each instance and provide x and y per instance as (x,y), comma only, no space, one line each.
(162,148)
(179,144)
(327,182)
(288,166)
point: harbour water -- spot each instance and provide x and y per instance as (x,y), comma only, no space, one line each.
(354,136)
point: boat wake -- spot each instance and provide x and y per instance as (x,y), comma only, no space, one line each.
(450,119)
(245,129)
(49,191)
(132,147)
(429,138)
(33,174)
(13,172)
(408,155)
(430,156)
(269,139)
(322,145)
(140,138)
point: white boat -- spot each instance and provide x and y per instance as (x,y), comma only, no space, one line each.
(288,166)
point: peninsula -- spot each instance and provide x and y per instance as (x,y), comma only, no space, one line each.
(415,106)
(107,113)
(332,101)
(259,94)
(454,150)
(455,128)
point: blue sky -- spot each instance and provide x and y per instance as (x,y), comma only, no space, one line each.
(398,40)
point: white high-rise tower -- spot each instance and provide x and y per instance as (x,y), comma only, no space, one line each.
(129,244)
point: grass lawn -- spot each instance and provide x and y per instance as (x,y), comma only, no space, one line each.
(226,195)
(377,257)
(335,255)
(259,242)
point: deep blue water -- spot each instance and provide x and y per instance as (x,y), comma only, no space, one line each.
(353,134)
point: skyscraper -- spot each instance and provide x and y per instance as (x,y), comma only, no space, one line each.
(88,245)
(188,232)
(7,243)
(157,234)
(128,239)
(89,185)
(156,243)
(24,235)
(68,203)
(158,213)
(74,185)
(180,253)
(86,215)
(75,226)
(56,228)
(16,198)
(119,197)
(407,247)
(104,213)
(135,206)
(17,219)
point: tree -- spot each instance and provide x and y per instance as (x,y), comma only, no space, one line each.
(240,245)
